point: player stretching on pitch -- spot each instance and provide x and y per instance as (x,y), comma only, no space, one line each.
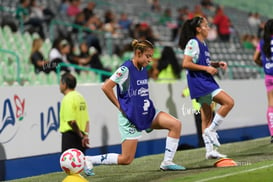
(137,112)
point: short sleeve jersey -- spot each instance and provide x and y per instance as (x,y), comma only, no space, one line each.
(133,95)
(73,107)
(192,50)
(200,83)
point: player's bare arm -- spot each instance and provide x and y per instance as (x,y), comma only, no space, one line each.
(107,88)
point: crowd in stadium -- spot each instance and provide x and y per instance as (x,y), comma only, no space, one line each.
(85,41)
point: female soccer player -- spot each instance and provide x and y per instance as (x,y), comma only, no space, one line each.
(263,56)
(203,87)
(137,112)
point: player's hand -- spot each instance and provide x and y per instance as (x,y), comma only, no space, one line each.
(211,70)
(223,65)
(85,141)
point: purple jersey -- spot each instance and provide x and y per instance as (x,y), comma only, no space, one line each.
(267,62)
(133,95)
(201,83)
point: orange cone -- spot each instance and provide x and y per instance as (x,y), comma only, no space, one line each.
(225,162)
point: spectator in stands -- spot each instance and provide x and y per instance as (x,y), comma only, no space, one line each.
(58,54)
(254,20)
(166,17)
(109,16)
(263,57)
(208,4)
(88,11)
(37,57)
(93,24)
(89,57)
(201,82)
(85,55)
(73,8)
(63,6)
(168,68)
(43,13)
(155,6)
(143,31)
(222,21)
(92,40)
(185,13)
(23,16)
(110,23)
(80,56)
(79,20)
(197,11)
(124,23)
(247,41)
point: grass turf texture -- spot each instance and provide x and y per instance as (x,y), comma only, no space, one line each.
(254,157)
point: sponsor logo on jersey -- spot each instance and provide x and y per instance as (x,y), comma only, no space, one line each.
(268,65)
(143,92)
(142,82)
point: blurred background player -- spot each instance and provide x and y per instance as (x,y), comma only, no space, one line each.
(137,112)
(202,86)
(263,56)
(74,119)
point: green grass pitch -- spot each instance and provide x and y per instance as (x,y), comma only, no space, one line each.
(254,159)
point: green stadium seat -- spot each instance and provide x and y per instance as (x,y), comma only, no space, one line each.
(52,78)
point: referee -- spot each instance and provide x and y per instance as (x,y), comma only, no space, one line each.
(74,118)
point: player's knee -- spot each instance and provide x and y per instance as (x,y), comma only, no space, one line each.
(126,160)
(176,125)
(230,103)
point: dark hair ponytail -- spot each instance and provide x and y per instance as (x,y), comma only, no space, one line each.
(268,33)
(188,31)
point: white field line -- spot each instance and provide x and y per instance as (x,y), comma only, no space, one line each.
(235,173)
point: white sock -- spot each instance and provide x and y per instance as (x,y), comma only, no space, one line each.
(88,163)
(208,144)
(110,158)
(171,147)
(216,122)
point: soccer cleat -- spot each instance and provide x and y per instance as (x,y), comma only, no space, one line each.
(89,172)
(170,166)
(214,154)
(271,141)
(213,137)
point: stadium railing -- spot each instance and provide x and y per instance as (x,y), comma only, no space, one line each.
(100,73)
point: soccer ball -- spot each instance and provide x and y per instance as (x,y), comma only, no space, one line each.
(72,161)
